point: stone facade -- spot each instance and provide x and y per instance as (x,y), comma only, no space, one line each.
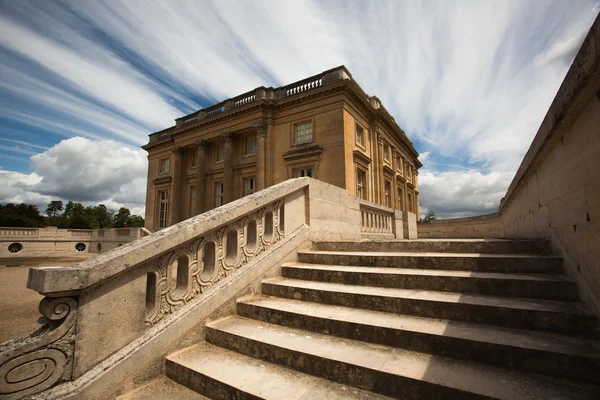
(325,127)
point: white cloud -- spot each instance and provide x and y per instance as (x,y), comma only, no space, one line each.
(463,193)
(83,170)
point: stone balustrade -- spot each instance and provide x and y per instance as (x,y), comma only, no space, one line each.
(19,232)
(107,316)
(376,220)
(258,94)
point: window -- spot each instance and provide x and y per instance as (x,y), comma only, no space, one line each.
(15,247)
(410,202)
(386,153)
(192,201)
(250,146)
(194,159)
(219,194)
(360,133)
(220,152)
(388,193)
(361,180)
(163,166)
(249,186)
(301,172)
(80,247)
(400,198)
(401,165)
(409,173)
(163,202)
(303,133)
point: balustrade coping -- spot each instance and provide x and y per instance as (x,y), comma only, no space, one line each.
(59,280)
(375,206)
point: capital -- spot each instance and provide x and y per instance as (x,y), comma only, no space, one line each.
(202,144)
(228,137)
(178,151)
(261,129)
(380,139)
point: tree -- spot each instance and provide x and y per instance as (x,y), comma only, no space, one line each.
(430,216)
(103,216)
(122,217)
(135,221)
(54,208)
(21,215)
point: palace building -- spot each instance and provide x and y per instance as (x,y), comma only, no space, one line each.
(325,127)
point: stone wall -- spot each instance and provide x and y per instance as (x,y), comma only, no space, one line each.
(555,193)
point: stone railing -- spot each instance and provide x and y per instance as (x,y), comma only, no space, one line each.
(108,316)
(302,86)
(19,232)
(377,220)
(258,94)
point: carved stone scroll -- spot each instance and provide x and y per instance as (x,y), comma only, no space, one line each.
(39,361)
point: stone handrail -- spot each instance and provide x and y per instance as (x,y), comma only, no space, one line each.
(244,99)
(302,86)
(376,219)
(20,232)
(171,268)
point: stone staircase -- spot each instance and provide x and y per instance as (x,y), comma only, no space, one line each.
(422,319)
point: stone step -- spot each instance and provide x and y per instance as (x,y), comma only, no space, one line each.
(546,315)
(160,389)
(451,261)
(487,246)
(386,370)
(543,286)
(561,356)
(223,374)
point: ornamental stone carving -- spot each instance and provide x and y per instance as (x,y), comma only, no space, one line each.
(178,151)
(228,137)
(261,129)
(186,272)
(39,361)
(202,144)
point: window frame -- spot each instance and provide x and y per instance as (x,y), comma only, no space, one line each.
(400,192)
(253,189)
(163,220)
(299,123)
(247,140)
(360,143)
(304,168)
(167,161)
(387,193)
(219,195)
(361,189)
(193,193)
(219,145)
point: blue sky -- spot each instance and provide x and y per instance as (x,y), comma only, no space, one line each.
(83,83)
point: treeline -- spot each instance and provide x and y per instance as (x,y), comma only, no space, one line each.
(73,216)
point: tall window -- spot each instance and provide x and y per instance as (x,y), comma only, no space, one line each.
(194,159)
(219,194)
(400,198)
(361,180)
(250,146)
(409,173)
(301,172)
(163,166)
(360,133)
(401,165)
(303,133)
(192,201)
(388,194)
(410,202)
(220,152)
(163,208)
(386,153)
(249,186)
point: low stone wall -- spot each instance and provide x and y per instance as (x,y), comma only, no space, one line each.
(29,246)
(555,193)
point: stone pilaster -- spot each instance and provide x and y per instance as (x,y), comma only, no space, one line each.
(375,165)
(261,155)
(177,157)
(228,168)
(381,178)
(200,175)
(395,156)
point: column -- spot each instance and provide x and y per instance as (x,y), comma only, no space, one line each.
(176,187)
(375,165)
(200,175)
(261,155)
(417,205)
(380,169)
(405,171)
(395,180)
(228,168)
